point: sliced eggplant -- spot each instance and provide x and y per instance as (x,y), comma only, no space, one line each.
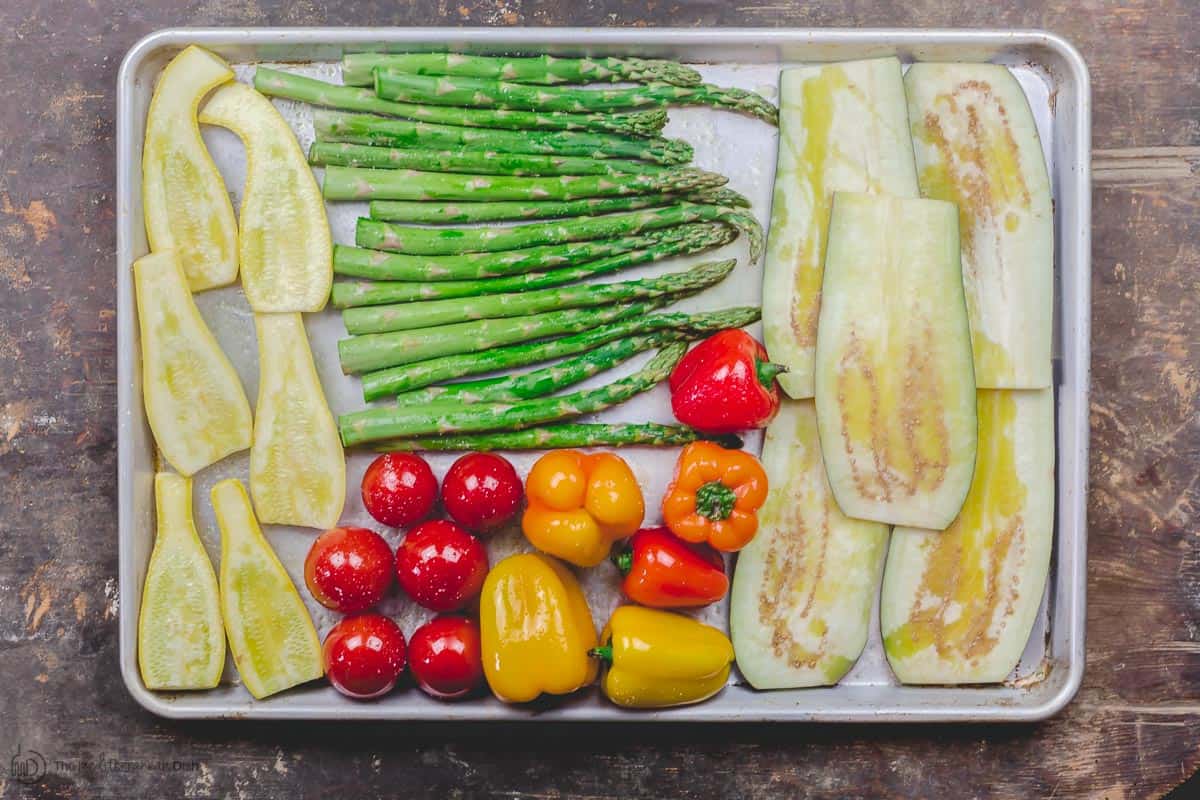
(842,127)
(895,387)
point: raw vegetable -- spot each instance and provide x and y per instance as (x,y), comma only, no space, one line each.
(338,126)
(297,467)
(843,127)
(579,504)
(194,400)
(184,200)
(275,83)
(977,146)
(364,656)
(432,313)
(374,424)
(441,566)
(181,644)
(895,386)
(472,162)
(958,605)
(658,659)
(283,242)
(270,633)
(661,570)
(564,435)
(399,489)
(445,657)
(536,629)
(483,93)
(803,588)
(348,570)
(715,496)
(725,384)
(481,491)
(358,68)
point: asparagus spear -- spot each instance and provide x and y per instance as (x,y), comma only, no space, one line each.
(434,313)
(437,213)
(356,183)
(357,68)
(477,162)
(275,83)
(384,382)
(483,93)
(567,434)
(445,241)
(339,126)
(350,294)
(373,424)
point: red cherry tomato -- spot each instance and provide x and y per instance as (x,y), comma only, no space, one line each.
(399,489)
(348,569)
(481,491)
(441,566)
(364,656)
(445,657)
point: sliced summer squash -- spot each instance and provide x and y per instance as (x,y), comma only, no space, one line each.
(803,588)
(285,247)
(195,402)
(895,388)
(271,635)
(977,146)
(842,127)
(181,644)
(185,204)
(297,467)
(958,605)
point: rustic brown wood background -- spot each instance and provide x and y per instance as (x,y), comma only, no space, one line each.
(1133,731)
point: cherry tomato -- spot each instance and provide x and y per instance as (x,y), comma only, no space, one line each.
(364,656)
(399,489)
(481,491)
(441,566)
(445,657)
(348,569)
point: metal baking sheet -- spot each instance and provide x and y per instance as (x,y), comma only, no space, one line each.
(1056,81)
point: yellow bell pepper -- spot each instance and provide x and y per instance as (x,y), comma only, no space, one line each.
(659,659)
(579,504)
(535,628)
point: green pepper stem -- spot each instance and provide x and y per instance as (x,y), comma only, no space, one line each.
(714,501)
(604,653)
(767,372)
(623,560)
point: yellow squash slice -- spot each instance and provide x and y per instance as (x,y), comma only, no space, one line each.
(194,400)
(285,245)
(842,127)
(958,605)
(895,388)
(181,644)
(297,467)
(185,203)
(803,588)
(274,643)
(977,146)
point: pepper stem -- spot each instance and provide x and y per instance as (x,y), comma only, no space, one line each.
(623,560)
(715,501)
(767,372)
(604,653)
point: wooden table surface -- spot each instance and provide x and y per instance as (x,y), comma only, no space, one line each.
(1134,729)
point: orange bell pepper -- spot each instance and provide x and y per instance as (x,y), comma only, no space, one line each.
(715,496)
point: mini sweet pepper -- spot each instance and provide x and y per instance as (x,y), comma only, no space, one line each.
(659,659)
(579,504)
(663,571)
(536,631)
(725,384)
(715,496)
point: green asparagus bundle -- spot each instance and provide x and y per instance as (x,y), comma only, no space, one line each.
(490,358)
(339,126)
(351,294)
(567,434)
(374,424)
(378,235)
(358,68)
(482,93)
(356,183)
(275,83)
(435,313)
(477,162)
(443,213)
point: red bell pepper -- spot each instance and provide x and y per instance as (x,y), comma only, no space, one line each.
(725,384)
(663,571)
